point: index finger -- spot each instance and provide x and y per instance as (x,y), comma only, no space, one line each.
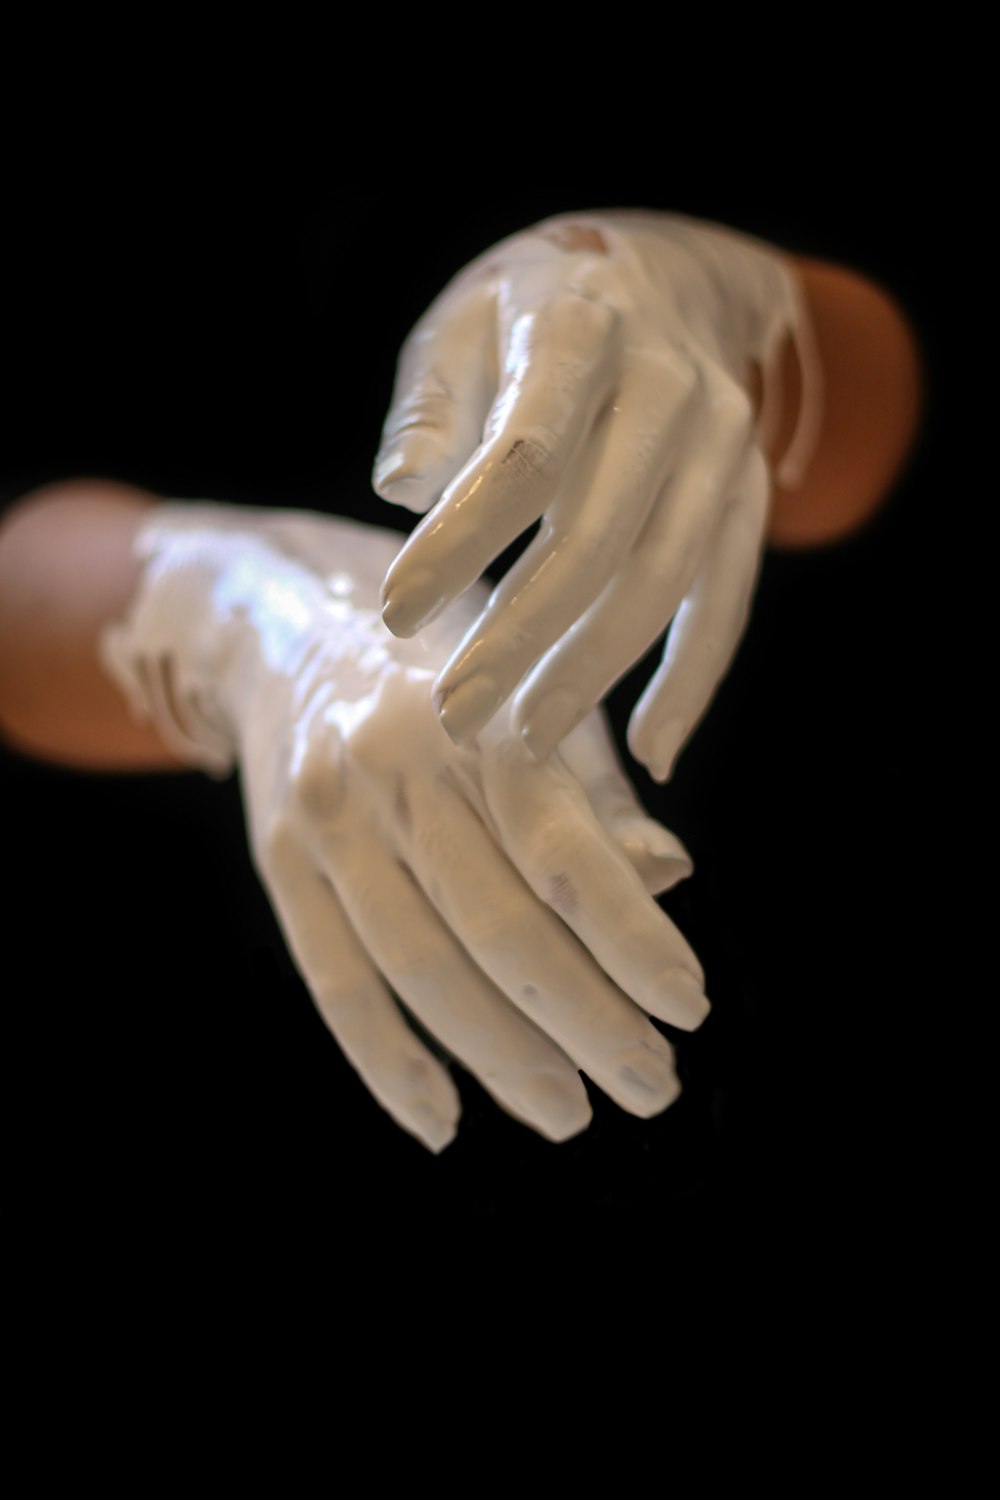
(445,383)
(558,370)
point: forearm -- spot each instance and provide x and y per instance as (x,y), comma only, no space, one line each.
(68,569)
(872,399)
(72,563)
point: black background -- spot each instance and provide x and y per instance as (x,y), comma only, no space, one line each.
(209,301)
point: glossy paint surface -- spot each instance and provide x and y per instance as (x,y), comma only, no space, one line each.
(506,902)
(593,374)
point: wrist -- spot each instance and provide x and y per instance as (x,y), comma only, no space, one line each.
(216,604)
(732,298)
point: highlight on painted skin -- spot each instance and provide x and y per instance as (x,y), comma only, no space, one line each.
(508,903)
(593,374)
(435,810)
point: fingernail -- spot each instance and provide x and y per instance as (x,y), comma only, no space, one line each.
(411,603)
(465,709)
(679,999)
(558,1106)
(663,844)
(656,854)
(413,492)
(431,1129)
(669,873)
(388,468)
(663,752)
(550,721)
(657,874)
(650,1078)
(401,482)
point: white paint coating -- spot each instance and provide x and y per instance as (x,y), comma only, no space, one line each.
(503,899)
(593,372)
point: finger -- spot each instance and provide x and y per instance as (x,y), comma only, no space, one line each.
(657,855)
(587,535)
(707,630)
(557,373)
(517,939)
(395,1066)
(524,1071)
(639,603)
(552,836)
(445,383)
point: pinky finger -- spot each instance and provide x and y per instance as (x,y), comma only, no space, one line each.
(367,1024)
(656,854)
(707,627)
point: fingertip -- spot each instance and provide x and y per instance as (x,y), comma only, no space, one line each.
(689,1005)
(387,469)
(399,481)
(555,1106)
(659,874)
(464,709)
(410,602)
(431,1129)
(396,621)
(647,1079)
(657,770)
(656,751)
(567,1130)
(436,1144)
(662,844)
(409,492)
(675,870)
(547,722)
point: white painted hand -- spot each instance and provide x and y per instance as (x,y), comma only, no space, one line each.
(592,372)
(496,895)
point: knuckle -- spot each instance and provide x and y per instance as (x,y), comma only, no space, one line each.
(594,549)
(272,845)
(427,403)
(585,317)
(528,459)
(667,376)
(679,380)
(319,777)
(410,960)
(549,847)
(731,404)
(486,929)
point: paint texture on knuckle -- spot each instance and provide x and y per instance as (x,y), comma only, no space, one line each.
(563,895)
(528,461)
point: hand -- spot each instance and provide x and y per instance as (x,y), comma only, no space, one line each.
(482,886)
(592,372)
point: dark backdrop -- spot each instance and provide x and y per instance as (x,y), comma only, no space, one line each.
(216,313)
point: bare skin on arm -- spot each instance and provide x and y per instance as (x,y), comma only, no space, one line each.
(57,703)
(67,566)
(872,405)
(872,399)
(393,859)
(487,894)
